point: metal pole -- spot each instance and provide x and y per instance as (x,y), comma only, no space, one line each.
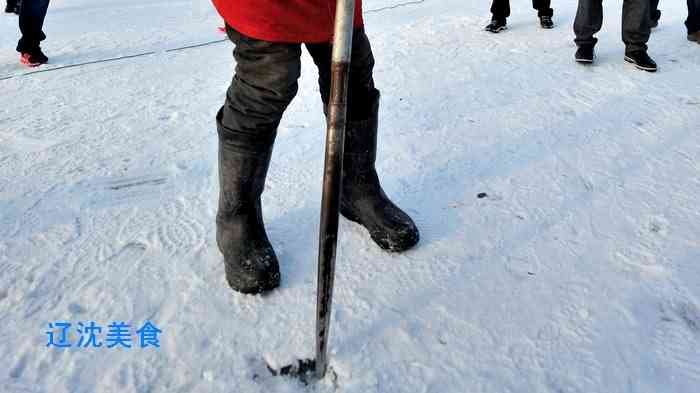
(332,177)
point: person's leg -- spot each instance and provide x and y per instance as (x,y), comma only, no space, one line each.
(589,20)
(264,84)
(31,23)
(10,6)
(693,21)
(500,10)
(636,29)
(363,199)
(544,12)
(543,7)
(636,26)
(655,14)
(361,81)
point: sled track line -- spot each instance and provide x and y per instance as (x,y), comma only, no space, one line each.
(111,59)
(391,7)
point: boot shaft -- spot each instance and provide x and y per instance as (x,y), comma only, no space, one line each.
(360,153)
(243,164)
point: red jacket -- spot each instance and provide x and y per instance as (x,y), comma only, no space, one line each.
(302,21)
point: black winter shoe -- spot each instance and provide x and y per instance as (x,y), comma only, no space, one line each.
(12,7)
(496,26)
(585,54)
(641,60)
(250,262)
(546,22)
(363,199)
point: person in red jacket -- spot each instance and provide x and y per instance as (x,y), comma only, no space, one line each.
(268,37)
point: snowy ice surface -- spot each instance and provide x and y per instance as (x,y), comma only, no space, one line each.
(578,273)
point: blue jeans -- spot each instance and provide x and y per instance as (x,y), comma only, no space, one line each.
(31,23)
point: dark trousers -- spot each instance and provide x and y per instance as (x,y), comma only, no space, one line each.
(635,23)
(265,82)
(654,10)
(693,21)
(500,9)
(31,23)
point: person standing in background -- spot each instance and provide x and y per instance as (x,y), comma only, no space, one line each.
(500,10)
(692,23)
(636,28)
(31,23)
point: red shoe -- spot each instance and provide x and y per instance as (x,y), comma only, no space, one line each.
(33,58)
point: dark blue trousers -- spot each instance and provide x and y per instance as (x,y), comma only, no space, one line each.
(31,24)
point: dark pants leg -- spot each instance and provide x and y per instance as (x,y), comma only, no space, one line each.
(263,86)
(363,199)
(266,82)
(589,20)
(500,9)
(31,23)
(543,7)
(11,3)
(635,23)
(693,21)
(636,26)
(361,83)
(654,10)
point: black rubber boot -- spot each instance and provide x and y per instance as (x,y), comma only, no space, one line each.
(251,263)
(363,199)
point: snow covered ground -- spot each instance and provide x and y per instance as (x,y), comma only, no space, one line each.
(578,273)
